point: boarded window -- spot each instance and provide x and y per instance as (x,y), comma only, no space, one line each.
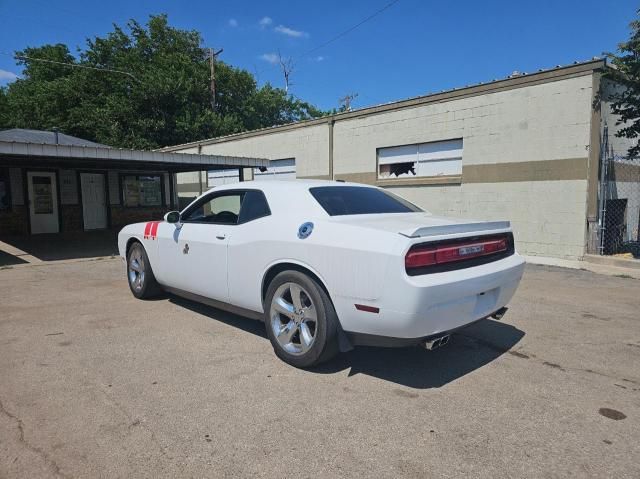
(438,158)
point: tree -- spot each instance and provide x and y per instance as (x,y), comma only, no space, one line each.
(162,99)
(625,101)
(4,109)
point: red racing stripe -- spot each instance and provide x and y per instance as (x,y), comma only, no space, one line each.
(147,230)
(154,229)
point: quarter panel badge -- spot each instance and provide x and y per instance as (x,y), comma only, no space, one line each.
(305,230)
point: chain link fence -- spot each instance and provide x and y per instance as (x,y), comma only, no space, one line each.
(619,223)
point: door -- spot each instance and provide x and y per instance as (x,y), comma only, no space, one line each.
(94,204)
(193,257)
(43,202)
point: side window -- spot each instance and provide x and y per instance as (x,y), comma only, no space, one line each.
(216,209)
(254,206)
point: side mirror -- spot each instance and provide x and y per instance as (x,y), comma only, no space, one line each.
(173,217)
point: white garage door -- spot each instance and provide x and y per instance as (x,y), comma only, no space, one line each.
(278,170)
(284,169)
(222,177)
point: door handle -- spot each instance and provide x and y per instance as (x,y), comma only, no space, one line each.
(221,236)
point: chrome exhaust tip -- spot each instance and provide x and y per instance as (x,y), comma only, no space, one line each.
(435,343)
(500,313)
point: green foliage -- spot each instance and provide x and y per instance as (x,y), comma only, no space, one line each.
(166,101)
(626,100)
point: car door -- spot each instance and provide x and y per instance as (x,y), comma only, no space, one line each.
(194,255)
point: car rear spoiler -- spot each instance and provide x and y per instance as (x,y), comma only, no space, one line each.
(484,226)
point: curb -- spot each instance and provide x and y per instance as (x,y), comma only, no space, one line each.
(606,269)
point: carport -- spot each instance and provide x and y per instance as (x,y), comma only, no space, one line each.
(56,184)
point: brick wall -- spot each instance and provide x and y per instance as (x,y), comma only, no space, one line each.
(71,217)
(122,216)
(14,222)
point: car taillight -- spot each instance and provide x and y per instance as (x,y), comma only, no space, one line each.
(445,252)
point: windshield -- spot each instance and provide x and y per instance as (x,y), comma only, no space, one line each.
(358,200)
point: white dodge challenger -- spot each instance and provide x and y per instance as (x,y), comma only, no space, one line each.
(327,265)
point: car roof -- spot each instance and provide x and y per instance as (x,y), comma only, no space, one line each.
(284,186)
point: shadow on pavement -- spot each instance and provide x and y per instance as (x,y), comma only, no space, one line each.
(58,246)
(8,259)
(414,367)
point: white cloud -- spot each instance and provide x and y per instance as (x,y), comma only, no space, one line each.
(270,58)
(265,22)
(291,32)
(319,58)
(233,22)
(6,76)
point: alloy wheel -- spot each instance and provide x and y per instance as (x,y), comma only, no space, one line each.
(293,318)
(136,269)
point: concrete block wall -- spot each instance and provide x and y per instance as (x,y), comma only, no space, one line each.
(533,123)
(547,217)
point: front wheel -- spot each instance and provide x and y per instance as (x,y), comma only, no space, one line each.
(301,321)
(142,282)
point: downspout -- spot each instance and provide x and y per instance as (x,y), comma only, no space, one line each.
(331,123)
(200,172)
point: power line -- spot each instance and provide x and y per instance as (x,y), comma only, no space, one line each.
(73,65)
(349,30)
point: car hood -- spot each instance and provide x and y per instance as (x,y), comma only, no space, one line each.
(415,225)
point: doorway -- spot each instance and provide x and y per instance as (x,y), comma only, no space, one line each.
(43,202)
(94,204)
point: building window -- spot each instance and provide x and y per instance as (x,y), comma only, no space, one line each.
(142,190)
(438,158)
(5,190)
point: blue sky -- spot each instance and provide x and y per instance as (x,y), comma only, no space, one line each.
(413,48)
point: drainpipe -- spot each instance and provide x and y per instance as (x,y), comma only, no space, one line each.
(200,172)
(331,122)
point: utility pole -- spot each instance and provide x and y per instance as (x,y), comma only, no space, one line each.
(212,76)
(347,99)
(286,65)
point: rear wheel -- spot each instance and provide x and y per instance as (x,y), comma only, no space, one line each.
(301,321)
(142,282)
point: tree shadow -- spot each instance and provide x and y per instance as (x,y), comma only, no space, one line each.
(468,350)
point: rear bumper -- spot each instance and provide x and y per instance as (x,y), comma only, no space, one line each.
(417,307)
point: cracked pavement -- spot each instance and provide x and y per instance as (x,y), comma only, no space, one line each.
(94,383)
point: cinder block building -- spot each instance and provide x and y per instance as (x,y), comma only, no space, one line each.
(528,148)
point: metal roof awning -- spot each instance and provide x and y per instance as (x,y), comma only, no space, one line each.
(75,156)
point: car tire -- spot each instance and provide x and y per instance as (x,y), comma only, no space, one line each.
(302,337)
(142,282)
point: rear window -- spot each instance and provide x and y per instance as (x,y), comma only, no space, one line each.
(358,200)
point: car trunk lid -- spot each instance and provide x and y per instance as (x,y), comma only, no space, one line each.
(420,225)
